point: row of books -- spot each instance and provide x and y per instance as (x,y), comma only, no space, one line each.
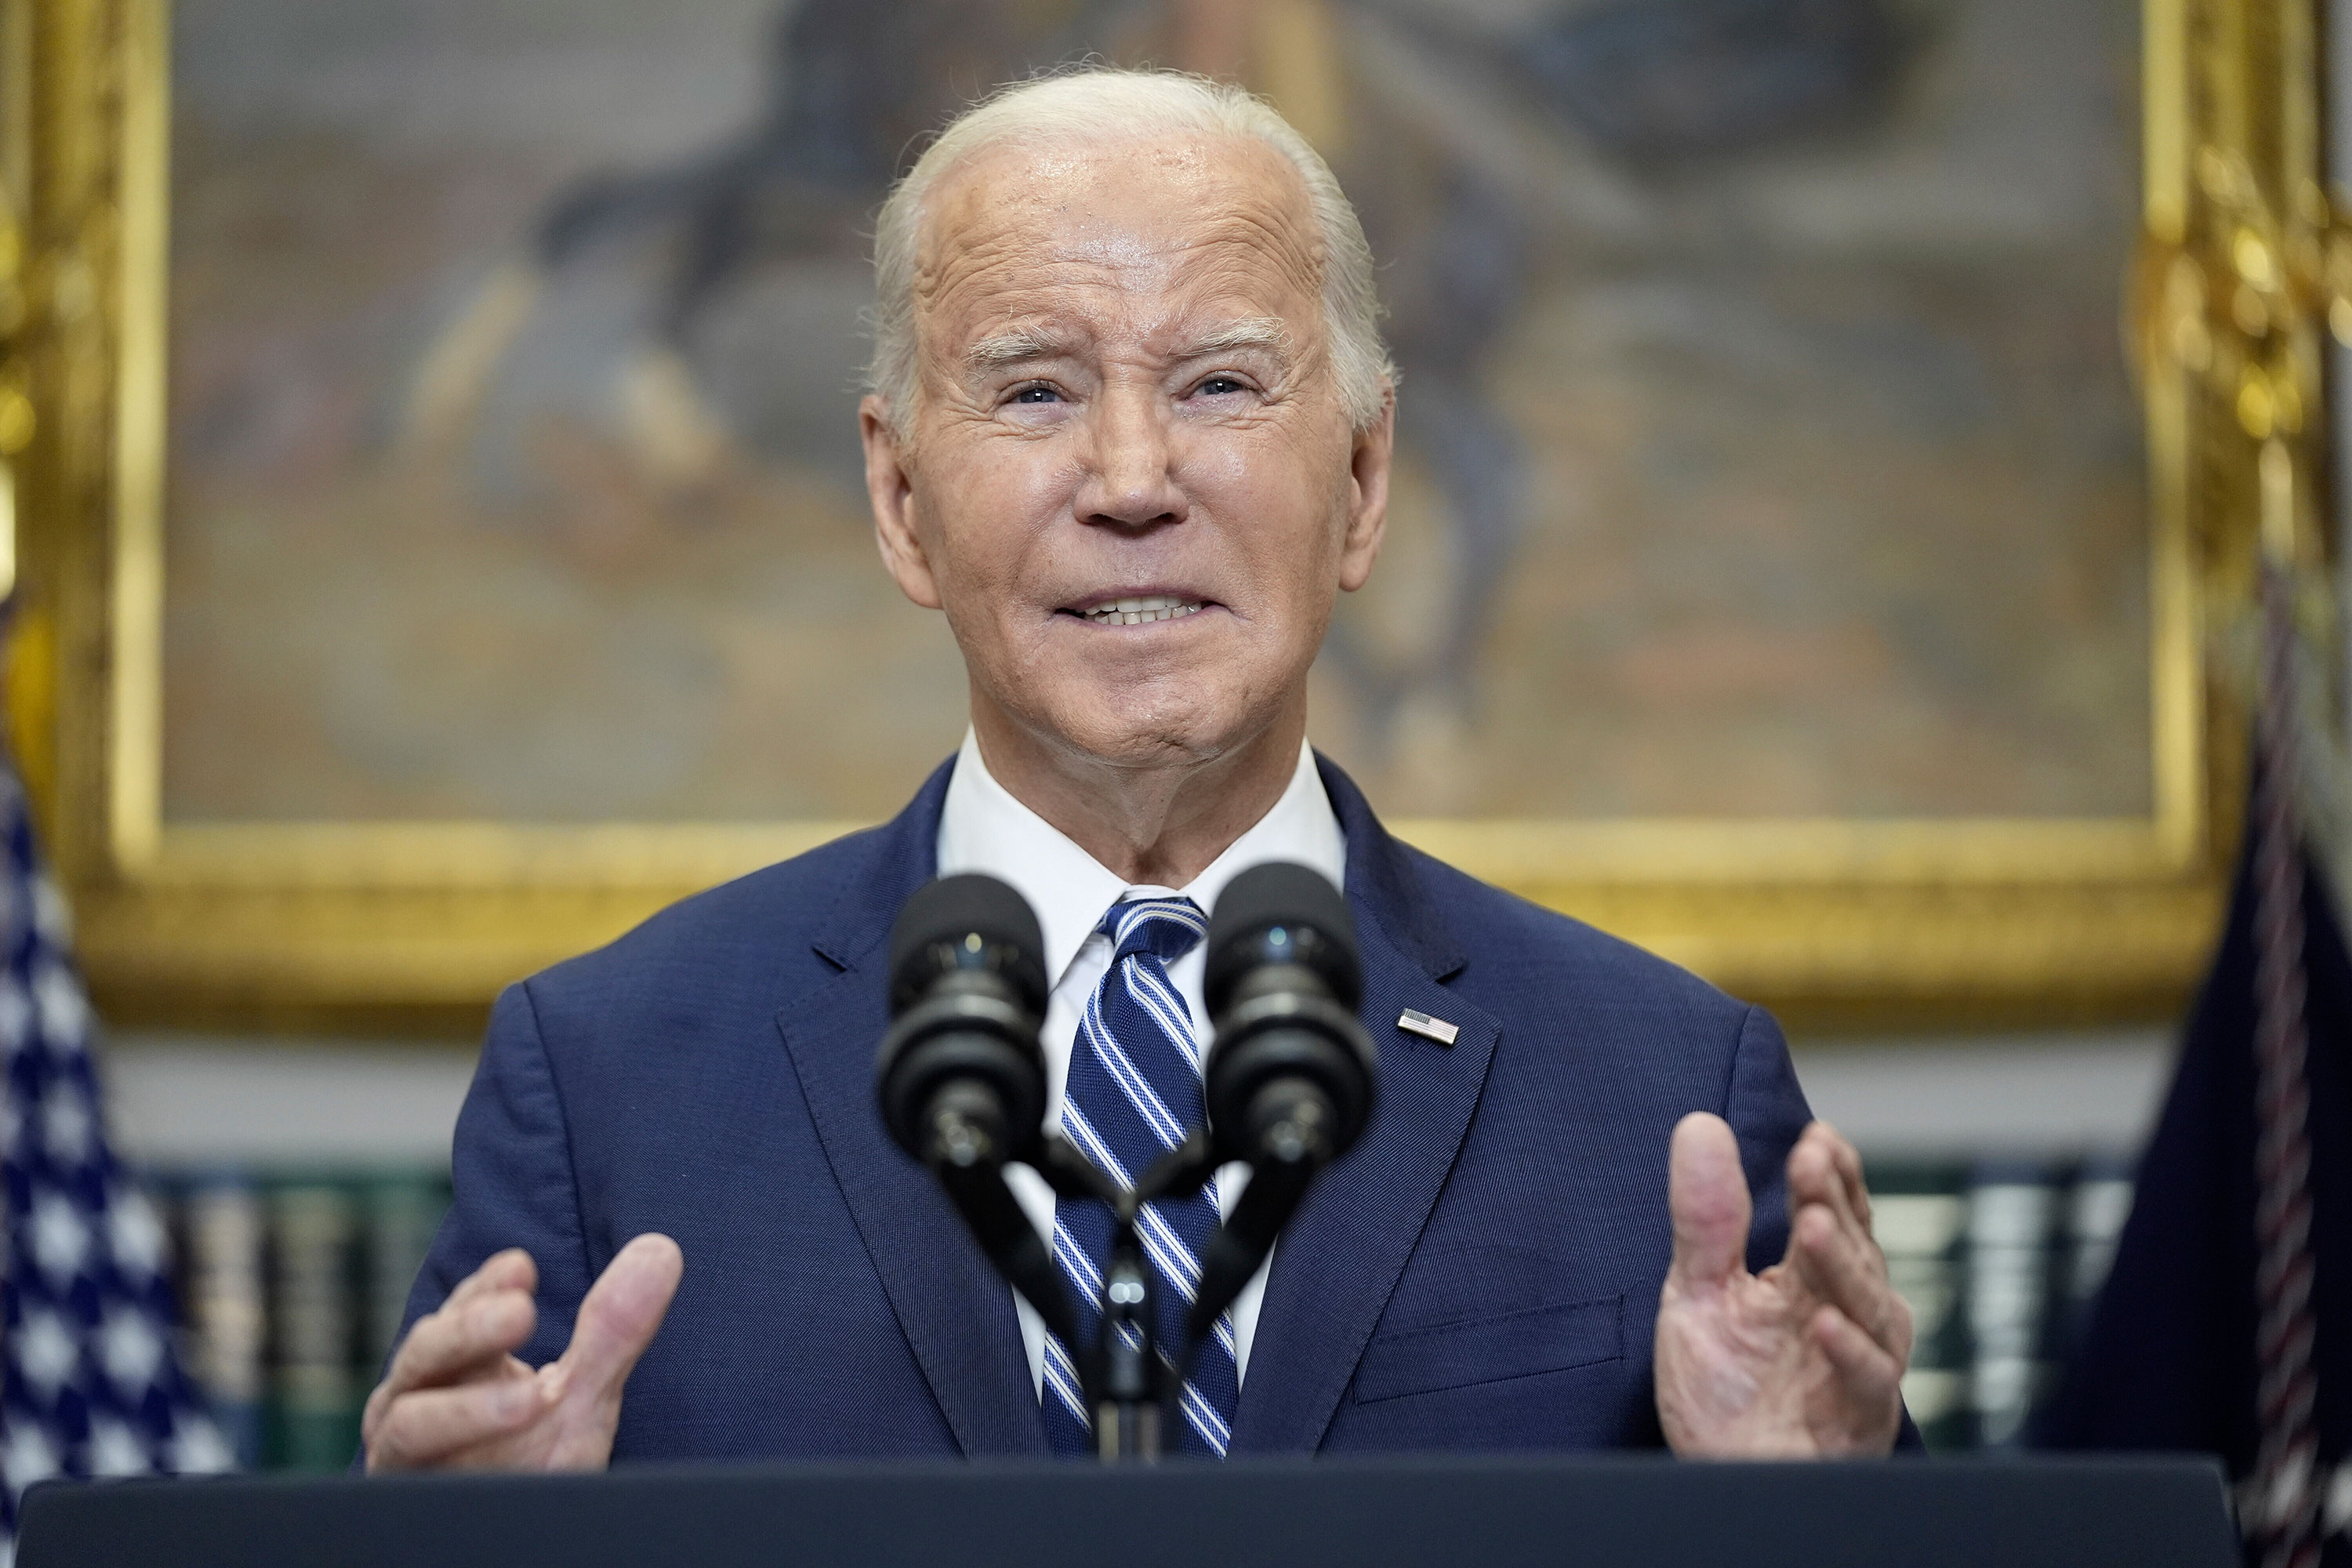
(291,1287)
(293,1284)
(2000,1261)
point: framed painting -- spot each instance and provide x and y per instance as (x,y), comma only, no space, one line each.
(441,544)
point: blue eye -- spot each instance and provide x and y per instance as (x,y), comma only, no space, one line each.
(1036,394)
(1218,385)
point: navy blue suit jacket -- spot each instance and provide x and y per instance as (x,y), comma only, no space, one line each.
(1482,1271)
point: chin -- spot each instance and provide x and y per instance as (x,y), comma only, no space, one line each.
(1167,712)
(1142,730)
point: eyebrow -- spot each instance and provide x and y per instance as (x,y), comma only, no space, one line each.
(1024,344)
(1267,333)
(1018,346)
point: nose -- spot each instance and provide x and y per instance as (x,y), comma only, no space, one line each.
(1129,481)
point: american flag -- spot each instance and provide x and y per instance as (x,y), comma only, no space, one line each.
(89,1385)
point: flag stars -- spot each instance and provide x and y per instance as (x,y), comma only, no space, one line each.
(92,1384)
(134,1235)
(66,1122)
(47,1353)
(115,1450)
(197,1447)
(28,1457)
(16,1013)
(61,1236)
(52,917)
(64,1016)
(132,1351)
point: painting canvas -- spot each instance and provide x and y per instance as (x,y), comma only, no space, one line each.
(1766,446)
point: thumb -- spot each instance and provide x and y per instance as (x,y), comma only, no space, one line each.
(1707,1193)
(618,1318)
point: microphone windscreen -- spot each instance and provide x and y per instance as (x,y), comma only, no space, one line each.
(1281,912)
(967,921)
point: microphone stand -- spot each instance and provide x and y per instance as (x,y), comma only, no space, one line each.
(1125,1375)
(1134,1390)
(1288,1148)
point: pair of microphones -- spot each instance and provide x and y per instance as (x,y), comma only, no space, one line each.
(1288,1084)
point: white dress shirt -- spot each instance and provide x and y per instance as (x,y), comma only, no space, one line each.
(983,828)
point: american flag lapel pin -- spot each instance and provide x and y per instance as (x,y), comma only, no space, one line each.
(1414,1022)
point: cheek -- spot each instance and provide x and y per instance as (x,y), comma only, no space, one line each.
(1286,514)
(1028,474)
(994,504)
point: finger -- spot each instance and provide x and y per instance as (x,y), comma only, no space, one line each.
(1819,1178)
(1849,1194)
(1814,1176)
(1844,1270)
(1706,1194)
(429,1426)
(1870,1378)
(463,1340)
(1839,1174)
(1849,1171)
(509,1270)
(620,1314)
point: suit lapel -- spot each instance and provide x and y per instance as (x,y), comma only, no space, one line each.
(1334,1267)
(1337,1264)
(956,1314)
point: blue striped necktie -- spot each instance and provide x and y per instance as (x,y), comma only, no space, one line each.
(1134,1092)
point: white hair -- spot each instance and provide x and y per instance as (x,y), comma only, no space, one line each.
(1099,104)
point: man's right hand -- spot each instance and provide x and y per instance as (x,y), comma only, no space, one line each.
(457,1398)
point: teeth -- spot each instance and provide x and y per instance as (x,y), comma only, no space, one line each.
(1136,612)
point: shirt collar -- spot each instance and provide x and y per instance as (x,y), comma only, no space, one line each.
(982,828)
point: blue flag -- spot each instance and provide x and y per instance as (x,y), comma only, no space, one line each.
(2169,1356)
(90,1383)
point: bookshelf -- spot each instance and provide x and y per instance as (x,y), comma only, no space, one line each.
(303,1181)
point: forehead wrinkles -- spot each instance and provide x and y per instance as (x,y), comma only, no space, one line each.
(1027,232)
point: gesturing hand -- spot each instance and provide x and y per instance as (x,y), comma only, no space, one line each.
(457,1397)
(1802,1360)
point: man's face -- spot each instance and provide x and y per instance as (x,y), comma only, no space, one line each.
(1129,481)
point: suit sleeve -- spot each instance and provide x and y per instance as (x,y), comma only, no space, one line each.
(1767,1111)
(511,1167)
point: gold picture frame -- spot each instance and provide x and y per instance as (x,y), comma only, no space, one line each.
(369,926)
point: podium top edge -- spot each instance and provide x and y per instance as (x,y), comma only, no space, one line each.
(1898,1470)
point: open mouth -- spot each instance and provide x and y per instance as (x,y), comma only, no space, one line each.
(1138,611)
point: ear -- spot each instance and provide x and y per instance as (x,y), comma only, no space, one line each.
(1368,497)
(889,489)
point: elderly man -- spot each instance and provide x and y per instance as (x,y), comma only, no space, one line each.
(1130,433)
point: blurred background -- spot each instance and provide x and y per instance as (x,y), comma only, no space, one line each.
(1768,447)
(1768,450)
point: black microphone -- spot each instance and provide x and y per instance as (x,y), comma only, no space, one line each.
(1290,1077)
(959,1078)
(1289,1083)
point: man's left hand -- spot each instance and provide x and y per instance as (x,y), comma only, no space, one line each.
(1802,1360)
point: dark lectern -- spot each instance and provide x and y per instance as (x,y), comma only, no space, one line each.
(1611,1512)
(1605,1513)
